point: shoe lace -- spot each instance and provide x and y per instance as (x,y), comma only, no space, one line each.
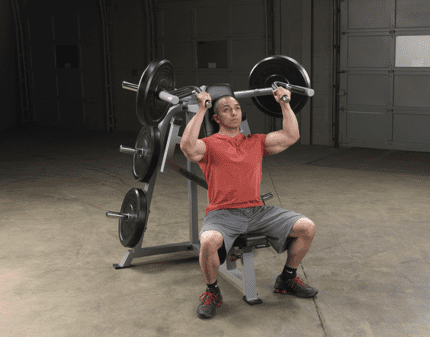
(298,280)
(209,297)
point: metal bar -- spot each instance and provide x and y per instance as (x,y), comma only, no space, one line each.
(182,91)
(130,86)
(267,196)
(116,215)
(168,97)
(187,174)
(301,90)
(253,93)
(128,150)
(268,91)
(172,141)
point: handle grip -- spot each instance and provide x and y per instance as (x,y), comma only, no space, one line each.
(285,99)
(275,86)
(208,103)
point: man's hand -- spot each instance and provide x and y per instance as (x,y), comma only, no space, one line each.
(279,93)
(202,98)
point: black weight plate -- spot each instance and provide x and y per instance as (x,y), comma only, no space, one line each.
(278,68)
(145,161)
(158,76)
(131,230)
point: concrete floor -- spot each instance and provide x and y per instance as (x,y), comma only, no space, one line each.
(369,258)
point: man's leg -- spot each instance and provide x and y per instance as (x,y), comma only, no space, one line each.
(304,231)
(210,242)
(288,282)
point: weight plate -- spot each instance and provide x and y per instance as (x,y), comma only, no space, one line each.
(278,68)
(145,161)
(158,76)
(131,229)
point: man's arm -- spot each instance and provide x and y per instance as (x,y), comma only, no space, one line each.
(192,147)
(279,141)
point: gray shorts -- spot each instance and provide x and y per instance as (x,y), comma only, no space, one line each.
(272,221)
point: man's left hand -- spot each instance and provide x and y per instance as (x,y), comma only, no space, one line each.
(279,93)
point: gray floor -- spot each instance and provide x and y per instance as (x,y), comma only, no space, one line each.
(369,258)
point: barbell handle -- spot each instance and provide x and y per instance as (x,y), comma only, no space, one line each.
(116,215)
(168,97)
(268,91)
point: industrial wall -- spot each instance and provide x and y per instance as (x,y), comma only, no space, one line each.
(212,42)
(84,90)
(76,59)
(384,74)
(72,58)
(64,63)
(131,52)
(76,56)
(238,34)
(9,106)
(304,31)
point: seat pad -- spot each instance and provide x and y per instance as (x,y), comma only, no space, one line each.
(251,240)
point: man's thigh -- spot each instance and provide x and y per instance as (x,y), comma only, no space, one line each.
(276,223)
(230,223)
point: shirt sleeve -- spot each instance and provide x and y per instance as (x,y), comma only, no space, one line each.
(262,139)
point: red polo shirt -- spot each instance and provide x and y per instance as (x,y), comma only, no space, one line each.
(233,168)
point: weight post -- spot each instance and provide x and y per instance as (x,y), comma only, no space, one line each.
(163,95)
(117,215)
(128,150)
(168,97)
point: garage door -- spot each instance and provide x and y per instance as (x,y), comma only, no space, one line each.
(384,94)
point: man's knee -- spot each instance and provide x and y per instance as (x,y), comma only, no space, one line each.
(211,240)
(303,227)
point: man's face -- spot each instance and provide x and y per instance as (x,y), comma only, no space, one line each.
(229,112)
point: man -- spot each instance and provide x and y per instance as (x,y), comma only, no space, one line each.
(232,165)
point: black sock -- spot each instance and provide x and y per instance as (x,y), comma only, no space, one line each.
(288,273)
(213,285)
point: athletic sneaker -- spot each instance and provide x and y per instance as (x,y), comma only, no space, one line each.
(211,300)
(295,287)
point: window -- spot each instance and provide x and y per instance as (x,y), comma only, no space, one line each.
(413,51)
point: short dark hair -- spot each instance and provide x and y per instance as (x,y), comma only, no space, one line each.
(218,102)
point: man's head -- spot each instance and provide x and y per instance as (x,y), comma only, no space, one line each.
(227,113)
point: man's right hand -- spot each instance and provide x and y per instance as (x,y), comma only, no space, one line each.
(202,98)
